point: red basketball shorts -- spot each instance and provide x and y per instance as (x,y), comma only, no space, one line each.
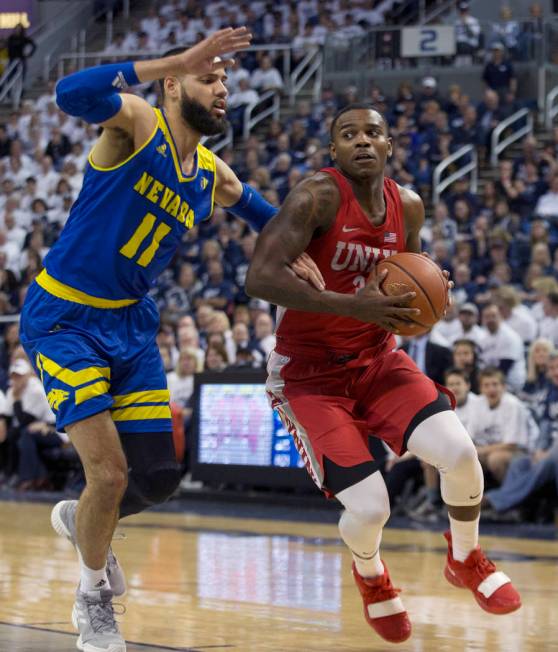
(332,406)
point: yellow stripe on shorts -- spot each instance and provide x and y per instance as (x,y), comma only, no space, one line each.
(69,377)
(150,396)
(90,391)
(141,413)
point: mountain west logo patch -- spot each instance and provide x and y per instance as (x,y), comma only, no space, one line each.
(162,149)
(57,396)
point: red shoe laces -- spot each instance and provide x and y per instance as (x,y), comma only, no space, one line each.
(483,565)
(380,592)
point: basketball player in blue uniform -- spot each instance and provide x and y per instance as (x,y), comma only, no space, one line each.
(88,325)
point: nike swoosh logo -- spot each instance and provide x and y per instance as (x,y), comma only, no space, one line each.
(473,497)
(348,229)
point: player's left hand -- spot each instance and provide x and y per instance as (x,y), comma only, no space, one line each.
(449,284)
(305,268)
(200,59)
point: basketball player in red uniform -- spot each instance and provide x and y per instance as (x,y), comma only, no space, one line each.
(336,378)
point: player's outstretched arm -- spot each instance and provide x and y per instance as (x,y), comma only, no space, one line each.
(94,94)
(309,211)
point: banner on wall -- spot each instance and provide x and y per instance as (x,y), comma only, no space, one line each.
(14,12)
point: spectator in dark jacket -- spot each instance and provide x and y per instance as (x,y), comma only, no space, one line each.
(20,46)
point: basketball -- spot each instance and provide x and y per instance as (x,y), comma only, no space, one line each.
(408,272)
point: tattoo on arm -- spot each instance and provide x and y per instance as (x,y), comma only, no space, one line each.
(308,211)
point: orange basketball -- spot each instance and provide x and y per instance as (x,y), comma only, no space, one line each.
(415,273)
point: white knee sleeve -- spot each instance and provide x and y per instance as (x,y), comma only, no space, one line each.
(442,441)
(367,500)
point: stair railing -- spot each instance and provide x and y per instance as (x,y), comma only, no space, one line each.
(469,165)
(551,107)
(269,104)
(521,123)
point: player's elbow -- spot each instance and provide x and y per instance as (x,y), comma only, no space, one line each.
(251,283)
(68,97)
(256,280)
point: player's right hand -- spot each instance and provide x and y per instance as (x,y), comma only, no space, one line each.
(200,59)
(389,312)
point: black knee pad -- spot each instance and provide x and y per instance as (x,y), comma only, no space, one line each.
(156,483)
(153,474)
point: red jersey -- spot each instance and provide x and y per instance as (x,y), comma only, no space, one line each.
(345,256)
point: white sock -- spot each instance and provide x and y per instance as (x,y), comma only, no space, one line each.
(464,536)
(369,568)
(92,580)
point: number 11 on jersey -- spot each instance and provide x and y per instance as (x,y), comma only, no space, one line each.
(131,248)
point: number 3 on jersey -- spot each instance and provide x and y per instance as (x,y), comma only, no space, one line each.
(130,249)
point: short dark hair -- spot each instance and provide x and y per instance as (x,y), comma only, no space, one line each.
(169,53)
(465,342)
(356,106)
(454,371)
(492,372)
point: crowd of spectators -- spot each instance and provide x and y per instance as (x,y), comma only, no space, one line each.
(496,348)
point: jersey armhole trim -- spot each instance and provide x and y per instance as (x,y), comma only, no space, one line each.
(132,155)
(213,169)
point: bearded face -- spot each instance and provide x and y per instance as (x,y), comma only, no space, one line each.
(208,122)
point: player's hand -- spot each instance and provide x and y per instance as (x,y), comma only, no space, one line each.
(305,268)
(389,312)
(449,284)
(200,59)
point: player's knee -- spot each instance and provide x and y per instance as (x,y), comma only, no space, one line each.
(465,459)
(158,484)
(367,500)
(373,514)
(108,479)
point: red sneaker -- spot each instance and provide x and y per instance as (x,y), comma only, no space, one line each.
(383,608)
(492,589)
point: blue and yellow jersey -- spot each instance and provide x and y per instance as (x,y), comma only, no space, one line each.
(127,222)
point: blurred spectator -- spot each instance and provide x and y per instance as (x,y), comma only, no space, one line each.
(267,77)
(548,326)
(537,368)
(489,115)
(235,73)
(38,443)
(501,347)
(26,403)
(458,382)
(498,74)
(501,426)
(515,315)
(216,358)
(242,341)
(465,358)
(507,32)
(181,381)
(117,47)
(216,291)
(529,473)
(468,319)
(263,333)
(467,34)
(20,47)
(547,205)
(239,101)
(432,359)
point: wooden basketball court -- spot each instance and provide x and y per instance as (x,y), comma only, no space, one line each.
(206,583)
